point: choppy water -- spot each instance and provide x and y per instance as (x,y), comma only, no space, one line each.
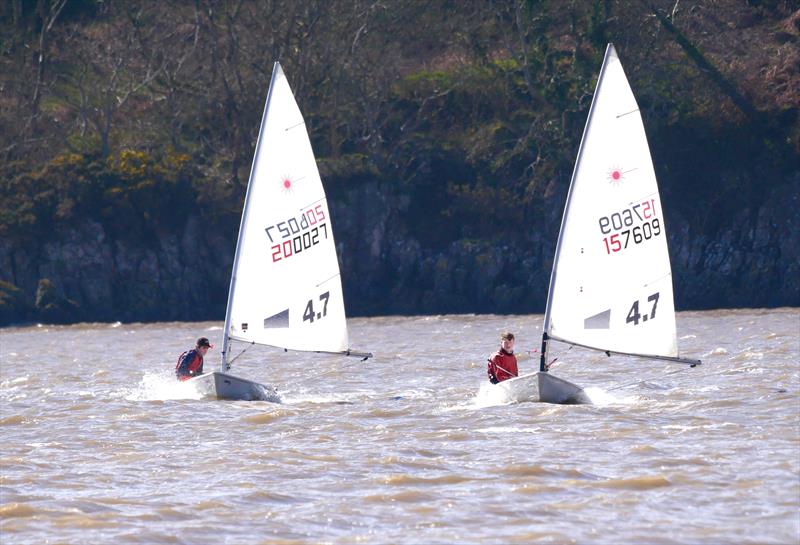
(100,445)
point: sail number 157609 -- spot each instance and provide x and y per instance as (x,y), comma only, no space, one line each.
(622,228)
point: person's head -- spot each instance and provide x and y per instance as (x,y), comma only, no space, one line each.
(203,345)
(507,341)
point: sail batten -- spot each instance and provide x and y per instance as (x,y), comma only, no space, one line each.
(611,283)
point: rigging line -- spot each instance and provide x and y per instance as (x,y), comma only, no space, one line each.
(639,199)
(240,353)
(556,358)
(348,352)
(294,126)
(657,279)
(328,279)
(628,113)
(503,369)
(313,203)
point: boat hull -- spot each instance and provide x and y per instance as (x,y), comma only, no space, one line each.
(225,386)
(543,387)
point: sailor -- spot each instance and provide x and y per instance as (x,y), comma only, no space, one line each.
(503,364)
(190,363)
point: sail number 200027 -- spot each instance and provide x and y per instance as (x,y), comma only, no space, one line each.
(629,227)
(297,235)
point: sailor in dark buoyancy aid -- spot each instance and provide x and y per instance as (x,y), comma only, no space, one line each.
(190,363)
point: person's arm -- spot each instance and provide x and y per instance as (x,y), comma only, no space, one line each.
(491,372)
(182,366)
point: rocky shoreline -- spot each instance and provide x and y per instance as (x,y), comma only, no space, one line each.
(79,273)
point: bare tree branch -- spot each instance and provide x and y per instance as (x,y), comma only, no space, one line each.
(47,24)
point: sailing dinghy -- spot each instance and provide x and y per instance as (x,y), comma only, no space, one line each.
(611,284)
(285,289)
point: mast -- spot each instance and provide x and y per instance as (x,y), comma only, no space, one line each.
(546,329)
(224,366)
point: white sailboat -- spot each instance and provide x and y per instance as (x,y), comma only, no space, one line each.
(611,284)
(285,289)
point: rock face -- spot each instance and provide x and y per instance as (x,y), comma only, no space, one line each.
(753,262)
(80,274)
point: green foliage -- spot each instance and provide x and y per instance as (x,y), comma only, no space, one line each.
(12,307)
(130,192)
(483,211)
(148,112)
(346,171)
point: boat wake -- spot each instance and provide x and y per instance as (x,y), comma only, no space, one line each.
(160,387)
(487,396)
(602,398)
(317,399)
(300,396)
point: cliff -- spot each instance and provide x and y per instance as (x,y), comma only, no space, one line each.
(81,273)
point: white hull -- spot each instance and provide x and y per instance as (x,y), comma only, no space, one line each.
(543,387)
(225,386)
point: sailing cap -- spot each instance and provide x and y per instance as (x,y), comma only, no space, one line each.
(202,341)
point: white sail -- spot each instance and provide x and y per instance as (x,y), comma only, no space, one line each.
(611,286)
(285,286)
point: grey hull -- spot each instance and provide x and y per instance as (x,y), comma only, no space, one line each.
(225,386)
(557,390)
(543,387)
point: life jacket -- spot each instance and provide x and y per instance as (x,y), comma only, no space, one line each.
(502,366)
(190,364)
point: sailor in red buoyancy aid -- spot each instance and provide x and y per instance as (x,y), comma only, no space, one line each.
(503,364)
(190,363)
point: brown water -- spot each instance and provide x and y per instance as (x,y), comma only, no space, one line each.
(101,445)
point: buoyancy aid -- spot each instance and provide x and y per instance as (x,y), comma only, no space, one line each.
(190,364)
(502,366)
